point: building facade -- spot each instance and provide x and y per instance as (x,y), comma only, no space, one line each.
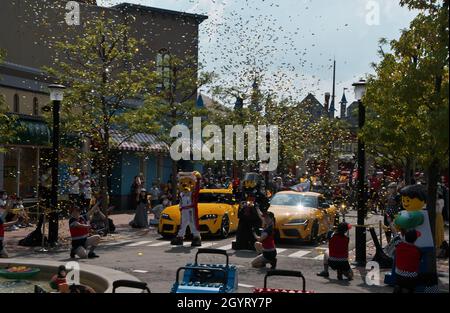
(28,31)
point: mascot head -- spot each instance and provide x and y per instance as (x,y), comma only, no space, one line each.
(250,184)
(414,197)
(187,181)
(251,180)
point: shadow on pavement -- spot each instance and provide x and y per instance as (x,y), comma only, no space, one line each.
(244,254)
(180,249)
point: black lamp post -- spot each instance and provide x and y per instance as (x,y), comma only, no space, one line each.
(56,96)
(360,90)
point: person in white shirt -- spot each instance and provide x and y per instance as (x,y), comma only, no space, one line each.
(86,190)
(155,192)
(157,210)
(74,187)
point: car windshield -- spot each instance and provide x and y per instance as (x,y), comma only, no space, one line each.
(299,200)
(215,198)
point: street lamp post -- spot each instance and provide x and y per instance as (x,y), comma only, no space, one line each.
(56,96)
(360,89)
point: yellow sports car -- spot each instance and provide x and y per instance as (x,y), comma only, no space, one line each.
(303,216)
(217,211)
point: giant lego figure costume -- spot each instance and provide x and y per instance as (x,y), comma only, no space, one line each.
(189,186)
(416,217)
(249,219)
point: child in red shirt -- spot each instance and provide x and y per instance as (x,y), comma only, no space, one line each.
(407,263)
(337,258)
(265,244)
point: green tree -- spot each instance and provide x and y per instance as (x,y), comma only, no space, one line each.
(173,104)
(327,136)
(102,74)
(390,131)
(291,130)
(411,83)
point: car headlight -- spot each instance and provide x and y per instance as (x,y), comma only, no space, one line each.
(209,217)
(297,222)
(166,217)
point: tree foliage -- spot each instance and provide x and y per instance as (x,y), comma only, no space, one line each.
(409,93)
(175,104)
(103,78)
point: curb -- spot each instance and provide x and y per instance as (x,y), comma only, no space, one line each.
(100,278)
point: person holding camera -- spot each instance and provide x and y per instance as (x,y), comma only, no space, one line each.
(265,244)
(79,231)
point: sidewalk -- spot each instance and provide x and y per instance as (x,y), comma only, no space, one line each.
(121,221)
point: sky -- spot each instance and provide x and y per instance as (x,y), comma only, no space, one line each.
(291,42)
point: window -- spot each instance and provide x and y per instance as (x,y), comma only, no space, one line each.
(35,106)
(163,68)
(20,172)
(16,104)
(28,173)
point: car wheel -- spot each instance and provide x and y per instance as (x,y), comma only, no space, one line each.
(315,233)
(225,227)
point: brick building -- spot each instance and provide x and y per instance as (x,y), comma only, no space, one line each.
(28,30)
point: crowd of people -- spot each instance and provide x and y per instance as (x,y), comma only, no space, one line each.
(89,221)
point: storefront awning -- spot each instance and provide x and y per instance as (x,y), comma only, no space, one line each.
(139,142)
(32,132)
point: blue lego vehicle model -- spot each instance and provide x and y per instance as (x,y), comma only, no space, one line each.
(207,278)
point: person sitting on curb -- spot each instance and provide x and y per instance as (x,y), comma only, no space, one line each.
(5,206)
(407,263)
(81,241)
(338,254)
(265,244)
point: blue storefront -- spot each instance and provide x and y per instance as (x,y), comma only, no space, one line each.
(145,155)
(142,154)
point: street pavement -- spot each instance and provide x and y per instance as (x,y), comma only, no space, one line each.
(144,254)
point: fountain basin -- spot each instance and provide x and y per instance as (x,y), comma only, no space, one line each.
(99,278)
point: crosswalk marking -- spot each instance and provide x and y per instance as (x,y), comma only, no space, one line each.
(227,247)
(207,244)
(299,254)
(159,244)
(283,252)
(139,243)
(117,243)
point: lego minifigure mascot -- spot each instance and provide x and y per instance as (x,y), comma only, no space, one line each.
(189,186)
(416,217)
(249,219)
